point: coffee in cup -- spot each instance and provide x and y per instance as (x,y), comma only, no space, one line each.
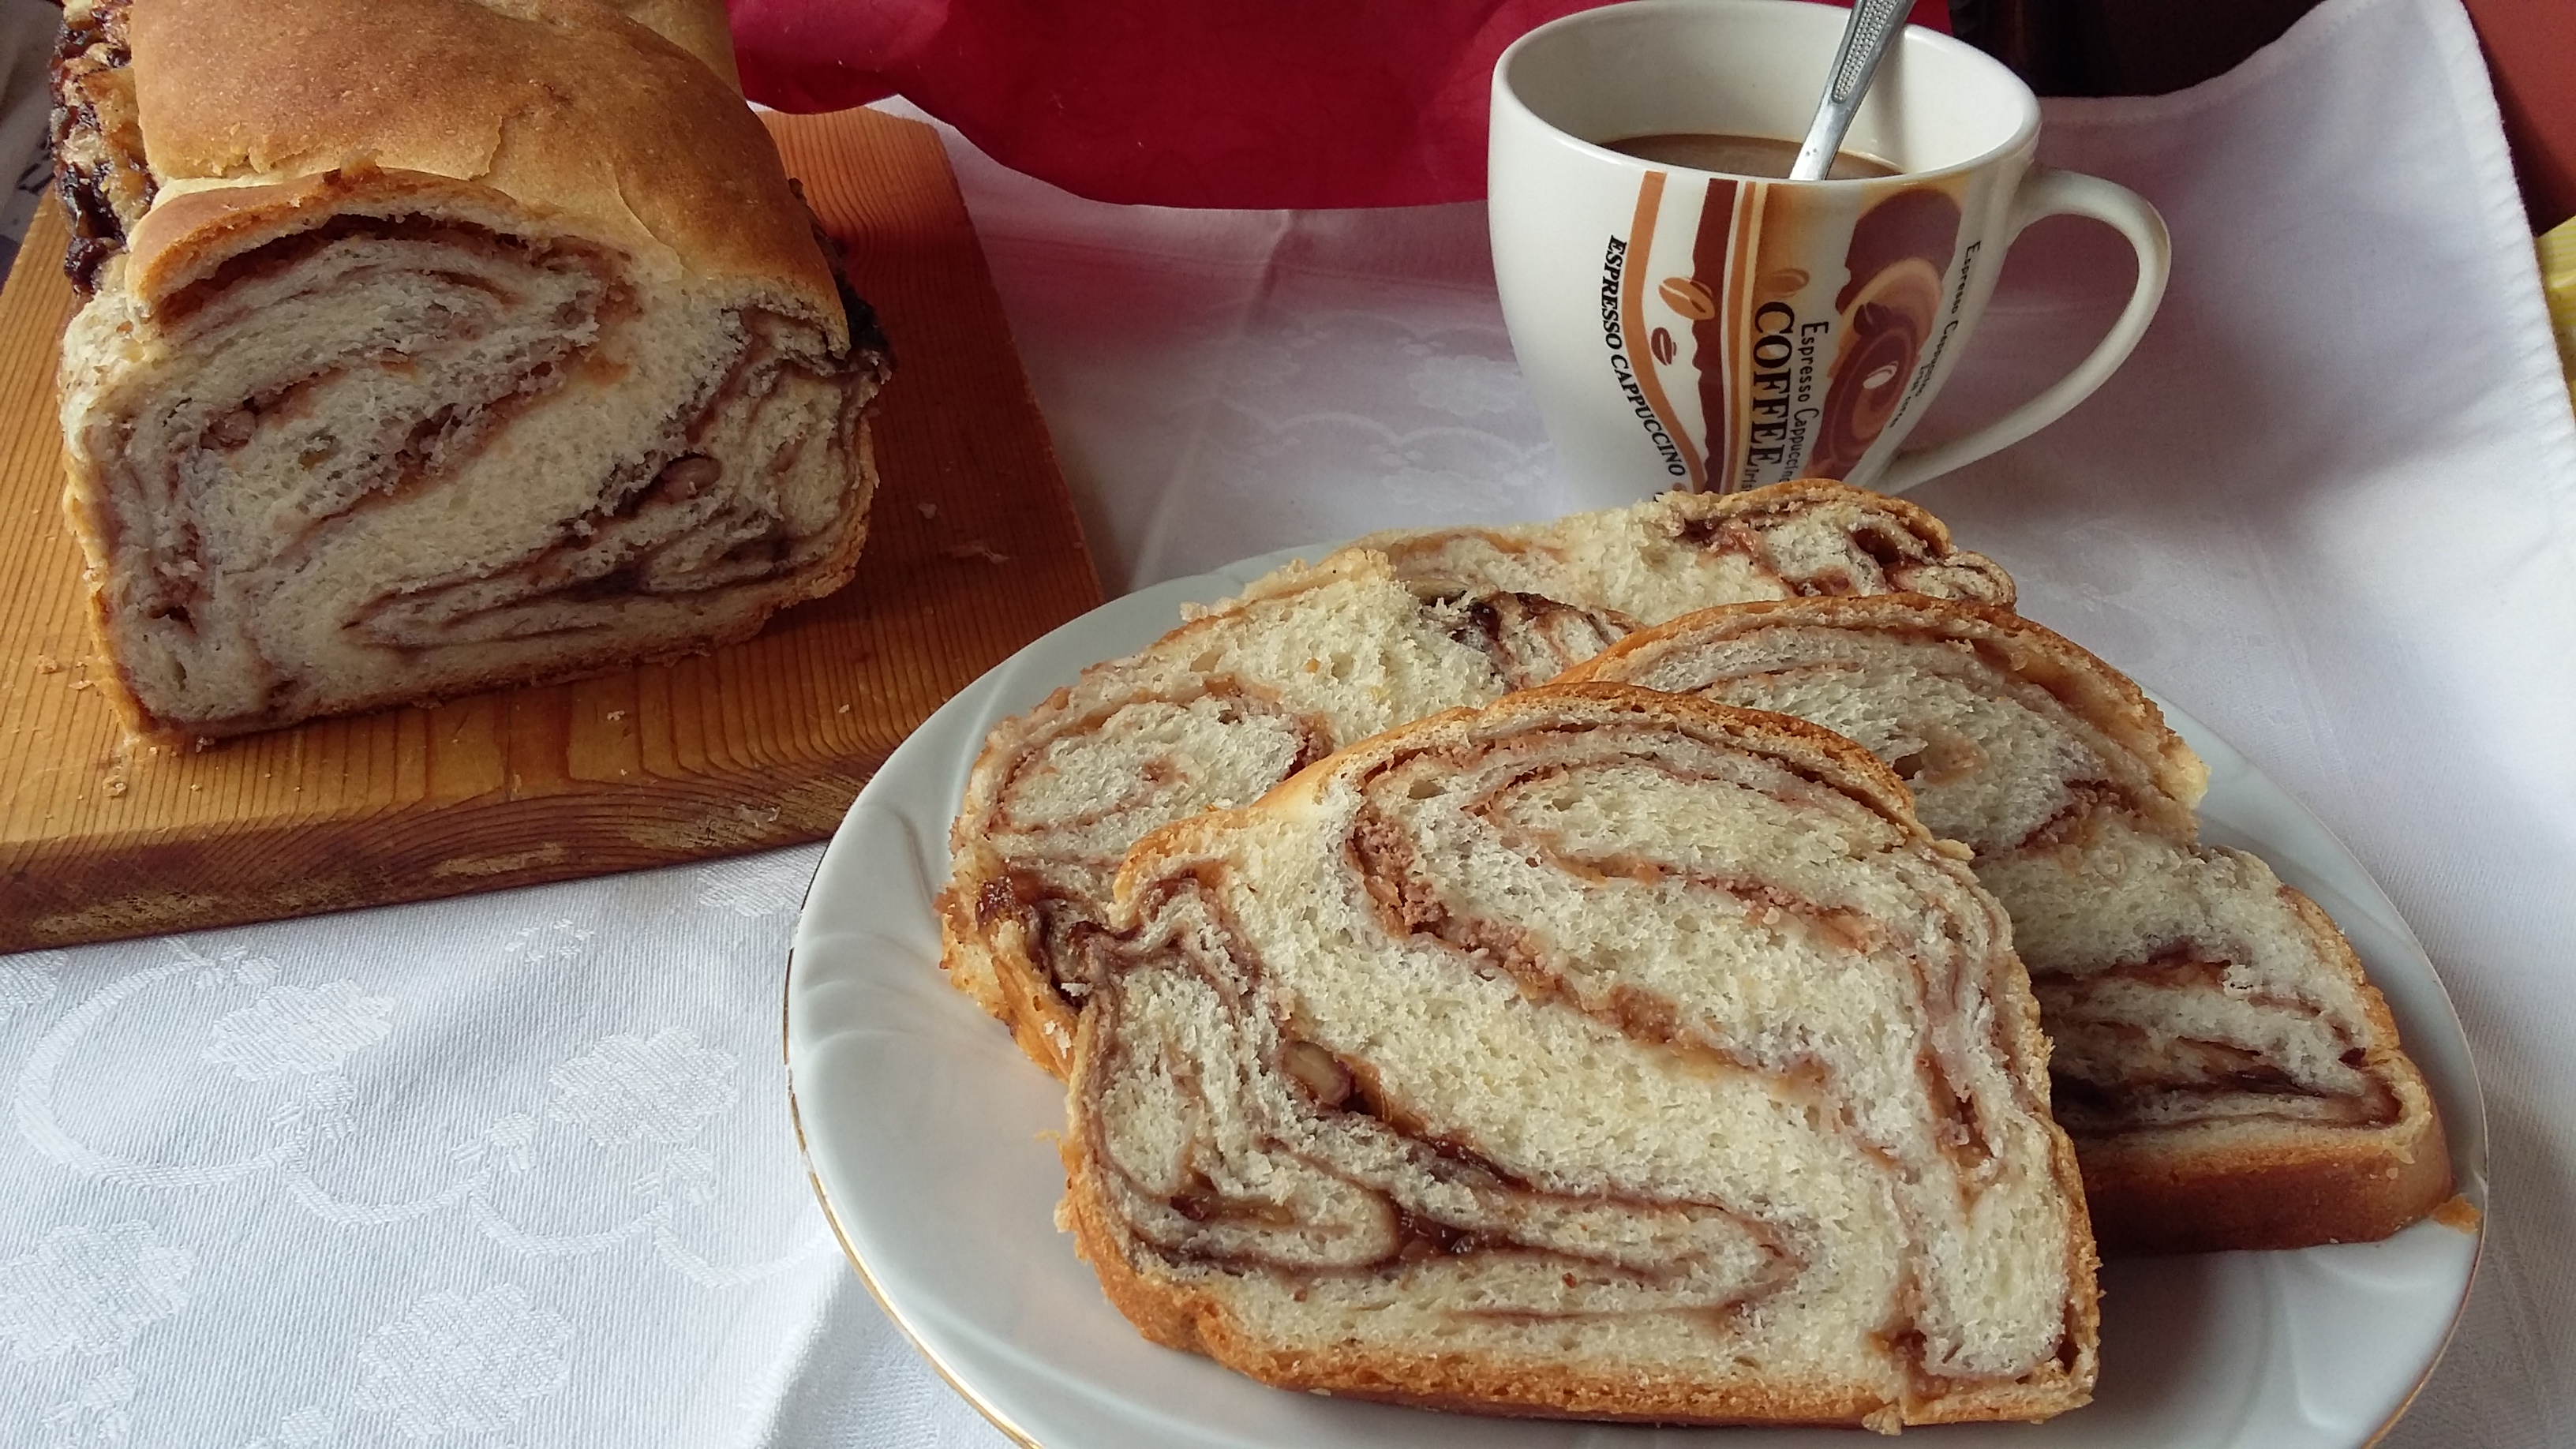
(1739,155)
(1688,319)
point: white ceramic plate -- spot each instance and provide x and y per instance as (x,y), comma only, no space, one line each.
(930,1142)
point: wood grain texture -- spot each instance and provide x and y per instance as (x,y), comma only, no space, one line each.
(973,550)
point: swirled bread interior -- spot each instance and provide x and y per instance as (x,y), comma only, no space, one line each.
(1687,551)
(2229,1076)
(537,370)
(1594,1054)
(1388,630)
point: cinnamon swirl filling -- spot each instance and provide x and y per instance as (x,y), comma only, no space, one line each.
(1587,1022)
(1077,793)
(2181,985)
(1391,629)
(327,404)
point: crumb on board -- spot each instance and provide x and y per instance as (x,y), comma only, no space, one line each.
(47,664)
(844,709)
(976,548)
(115,786)
(617,714)
(928,510)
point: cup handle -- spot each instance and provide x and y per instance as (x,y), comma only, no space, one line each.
(2048,192)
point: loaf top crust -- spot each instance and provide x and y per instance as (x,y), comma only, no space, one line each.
(565,108)
(699,27)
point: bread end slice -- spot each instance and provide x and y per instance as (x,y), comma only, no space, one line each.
(2228,1075)
(2215,1186)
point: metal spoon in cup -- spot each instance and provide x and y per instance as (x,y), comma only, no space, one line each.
(1873,24)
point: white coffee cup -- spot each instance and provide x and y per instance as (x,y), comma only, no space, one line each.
(1684,328)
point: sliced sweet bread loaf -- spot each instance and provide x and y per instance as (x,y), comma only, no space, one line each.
(1684,551)
(434,346)
(2229,1075)
(1599,1053)
(1309,659)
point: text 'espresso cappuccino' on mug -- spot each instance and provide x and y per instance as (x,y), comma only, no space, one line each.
(1688,319)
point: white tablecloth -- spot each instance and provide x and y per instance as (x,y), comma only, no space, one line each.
(516,1170)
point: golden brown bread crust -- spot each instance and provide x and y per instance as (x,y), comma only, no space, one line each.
(699,27)
(189,235)
(565,106)
(1178,1315)
(994,961)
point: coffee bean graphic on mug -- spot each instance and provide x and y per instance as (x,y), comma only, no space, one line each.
(1788,372)
(1900,254)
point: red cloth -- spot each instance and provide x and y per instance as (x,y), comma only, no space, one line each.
(1227,103)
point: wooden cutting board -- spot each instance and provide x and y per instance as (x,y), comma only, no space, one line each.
(973,550)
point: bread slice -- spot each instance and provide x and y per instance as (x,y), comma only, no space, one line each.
(2229,1075)
(436,345)
(1310,659)
(1599,1053)
(1686,551)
